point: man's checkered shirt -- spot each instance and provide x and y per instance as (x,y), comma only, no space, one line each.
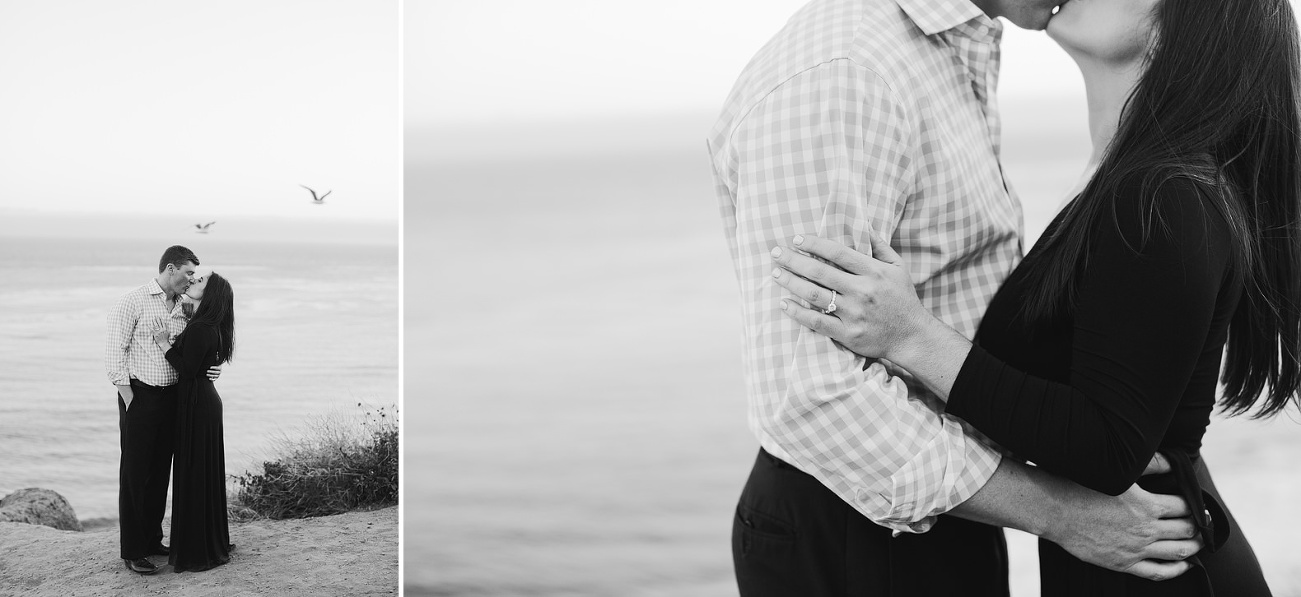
(868,115)
(129,350)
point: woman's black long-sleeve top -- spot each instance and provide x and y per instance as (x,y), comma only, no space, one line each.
(1091,395)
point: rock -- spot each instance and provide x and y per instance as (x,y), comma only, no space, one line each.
(39,506)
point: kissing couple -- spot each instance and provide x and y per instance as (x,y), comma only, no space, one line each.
(167,341)
(904,364)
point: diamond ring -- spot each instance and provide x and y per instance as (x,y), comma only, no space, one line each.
(831,307)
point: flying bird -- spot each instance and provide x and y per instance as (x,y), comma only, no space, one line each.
(315,199)
(203,228)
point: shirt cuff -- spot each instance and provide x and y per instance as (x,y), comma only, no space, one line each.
(968,460)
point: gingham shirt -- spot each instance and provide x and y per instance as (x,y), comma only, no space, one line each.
(868,115)
(130,350)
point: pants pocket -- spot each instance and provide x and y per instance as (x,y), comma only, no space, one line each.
(753,529)
(766,555)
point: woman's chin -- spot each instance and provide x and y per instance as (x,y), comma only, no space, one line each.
(1059,30)
(1054,33)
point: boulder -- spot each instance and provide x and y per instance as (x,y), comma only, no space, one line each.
(39,506)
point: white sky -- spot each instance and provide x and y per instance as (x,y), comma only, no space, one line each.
(205,109)
(510,61)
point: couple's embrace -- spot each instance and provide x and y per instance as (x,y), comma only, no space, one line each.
(166,343)
(903,362)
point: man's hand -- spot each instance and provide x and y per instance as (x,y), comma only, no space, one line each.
(1140,533)
(1157,466)
(127,395)
(1137,532)
(214,372)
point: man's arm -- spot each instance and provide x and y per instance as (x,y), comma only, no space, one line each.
(1137,532)
(831,151)
(122,319)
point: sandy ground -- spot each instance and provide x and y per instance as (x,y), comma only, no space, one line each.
(348,554)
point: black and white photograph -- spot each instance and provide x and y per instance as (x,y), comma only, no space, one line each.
(852,297)
(199,306)
(580,298)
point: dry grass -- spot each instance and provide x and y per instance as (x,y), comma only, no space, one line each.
(340,463)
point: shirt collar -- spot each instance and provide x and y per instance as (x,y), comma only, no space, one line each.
(181,301)
(934,16)
(153,287)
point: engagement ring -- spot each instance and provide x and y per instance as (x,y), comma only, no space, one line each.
(831,307)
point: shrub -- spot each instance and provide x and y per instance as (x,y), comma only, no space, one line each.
(339,464)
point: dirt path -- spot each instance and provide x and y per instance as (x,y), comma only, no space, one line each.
(349,554)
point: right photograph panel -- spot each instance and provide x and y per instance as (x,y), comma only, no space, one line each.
(849,297)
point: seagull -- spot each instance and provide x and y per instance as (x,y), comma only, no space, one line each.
(315,199)
(203,228)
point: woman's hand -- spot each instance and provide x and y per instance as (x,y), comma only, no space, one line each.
(162,336)
(876,313)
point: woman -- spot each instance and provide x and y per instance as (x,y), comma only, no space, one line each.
(200,536)
(1105,345)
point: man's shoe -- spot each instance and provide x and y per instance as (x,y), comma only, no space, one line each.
(160,550)
(141,566)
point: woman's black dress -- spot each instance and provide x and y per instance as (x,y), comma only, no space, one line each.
(200,536)
(1093,394)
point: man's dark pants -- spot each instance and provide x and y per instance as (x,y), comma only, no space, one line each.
(793,536)
(148,431)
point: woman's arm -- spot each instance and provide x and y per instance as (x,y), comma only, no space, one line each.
(189,355)
(1142,317)
(1140,327)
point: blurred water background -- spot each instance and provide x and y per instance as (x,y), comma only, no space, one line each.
(316,327)
(573,392)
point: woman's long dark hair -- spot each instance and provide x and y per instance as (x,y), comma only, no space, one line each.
(1217,106)
(217,309)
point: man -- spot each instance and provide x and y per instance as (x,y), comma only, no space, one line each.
(146,388)
(866,116)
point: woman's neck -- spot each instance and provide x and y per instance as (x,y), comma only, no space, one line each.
(1106,87)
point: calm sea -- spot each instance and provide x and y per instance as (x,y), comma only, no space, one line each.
(316,329)
(575,414)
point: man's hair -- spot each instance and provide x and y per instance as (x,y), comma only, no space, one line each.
(176,255)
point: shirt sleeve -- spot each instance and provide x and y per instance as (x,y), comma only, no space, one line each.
(122,319)
(831,152)
(1143,314)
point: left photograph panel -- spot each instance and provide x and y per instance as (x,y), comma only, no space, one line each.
(199,213)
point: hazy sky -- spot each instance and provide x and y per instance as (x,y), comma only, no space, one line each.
(202,109)
(512,61)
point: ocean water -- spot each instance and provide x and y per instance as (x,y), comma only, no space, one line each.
(316,331)
(574,405)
